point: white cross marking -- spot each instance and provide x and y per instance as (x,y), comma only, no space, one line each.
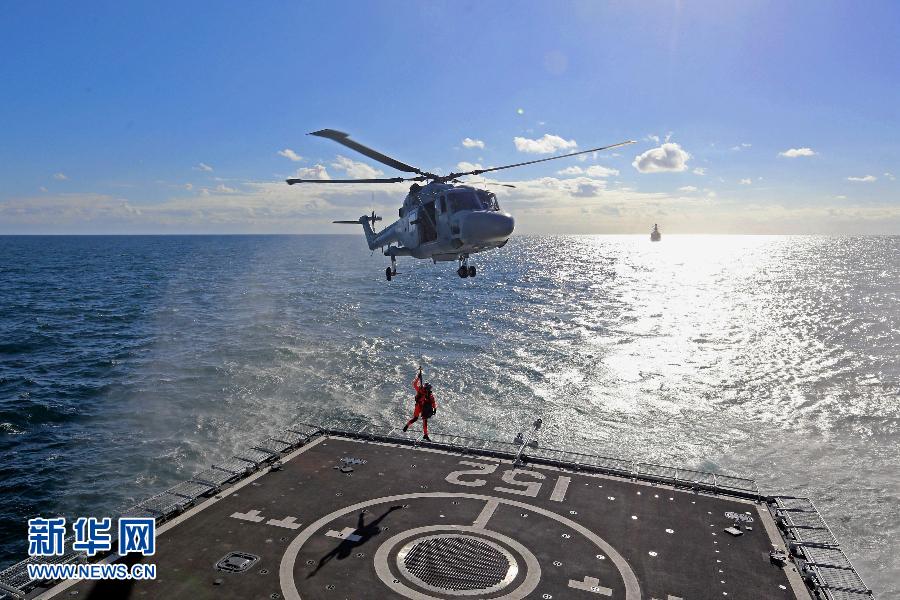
(250,515)
(287,523)
(590,584)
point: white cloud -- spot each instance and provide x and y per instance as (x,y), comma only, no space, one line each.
(189,186)
(470,143)
(599,171)
(652,138)
(864,179)
(355,169)
(745,181)
(890,176)
(290,155)
(593,171)
(795,152)
(60,176)
(841,197)
(687,189)
(700,171)
(544,145)
(224,189)
(571,171)
(544,205)
(668,157)
(203,167)
(42,188)
(467,166)
(740,147)
(315,172)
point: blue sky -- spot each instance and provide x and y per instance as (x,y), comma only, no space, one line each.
(762,117)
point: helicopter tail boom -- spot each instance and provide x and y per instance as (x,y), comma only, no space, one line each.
(366,222)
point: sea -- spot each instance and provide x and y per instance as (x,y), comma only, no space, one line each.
(129,363)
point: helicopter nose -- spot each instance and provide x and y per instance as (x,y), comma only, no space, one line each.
(486,227)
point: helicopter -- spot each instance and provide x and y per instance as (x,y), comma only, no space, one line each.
(444,220)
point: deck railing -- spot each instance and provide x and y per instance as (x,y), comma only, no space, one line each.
(827,569)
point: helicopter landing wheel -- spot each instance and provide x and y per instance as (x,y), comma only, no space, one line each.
(388,274)
(472,271)
(462,272)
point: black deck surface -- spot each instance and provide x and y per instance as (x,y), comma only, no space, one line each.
(321,533)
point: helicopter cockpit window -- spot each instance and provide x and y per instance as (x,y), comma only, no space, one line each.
(488,200)
(464,200)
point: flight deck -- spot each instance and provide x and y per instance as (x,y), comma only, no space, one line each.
(331,513)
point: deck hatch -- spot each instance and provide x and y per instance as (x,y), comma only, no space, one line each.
(236,562)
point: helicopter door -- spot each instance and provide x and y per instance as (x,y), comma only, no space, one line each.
(427,223)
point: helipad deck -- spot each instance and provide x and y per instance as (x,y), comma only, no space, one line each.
(349,518)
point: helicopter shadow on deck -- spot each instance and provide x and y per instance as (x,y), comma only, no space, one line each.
(362,534)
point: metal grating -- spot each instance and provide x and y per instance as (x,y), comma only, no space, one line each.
(305,429)
(290,437)
(255,455)
(191,489)
(213,476)
(788,503)
(165,503)
(826,557)
(236,466)
(842,579)
(16,576)
(272,445)
(457,563)
(140,512)
(804,519)
(811,536)
(846,595)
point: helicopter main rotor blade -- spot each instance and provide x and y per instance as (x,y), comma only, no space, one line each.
(540,160)
(391,180)
(344,139)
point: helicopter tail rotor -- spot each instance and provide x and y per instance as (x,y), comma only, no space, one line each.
(363,219)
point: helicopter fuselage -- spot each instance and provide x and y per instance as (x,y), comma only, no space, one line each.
(444,222)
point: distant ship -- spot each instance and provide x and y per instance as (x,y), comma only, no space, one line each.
(655,235)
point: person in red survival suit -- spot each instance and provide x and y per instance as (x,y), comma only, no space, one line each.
(425,405)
